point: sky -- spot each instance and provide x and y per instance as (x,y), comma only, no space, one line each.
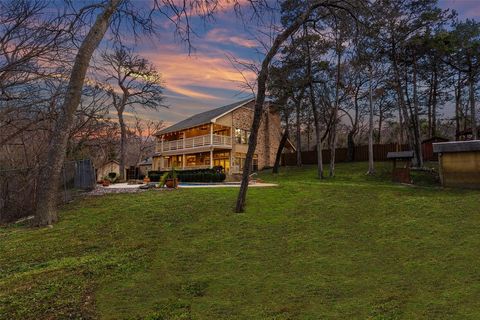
(206,78)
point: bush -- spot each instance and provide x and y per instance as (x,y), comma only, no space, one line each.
(198,175)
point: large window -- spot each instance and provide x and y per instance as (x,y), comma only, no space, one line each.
(240,161)
(242,136)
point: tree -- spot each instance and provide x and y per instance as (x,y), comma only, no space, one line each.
(139,85)
(305,11)
(46,212)
(112,13)
(463,49)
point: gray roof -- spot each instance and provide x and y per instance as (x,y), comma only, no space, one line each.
(145,162)
(400,155)
(457,146)
(202,118)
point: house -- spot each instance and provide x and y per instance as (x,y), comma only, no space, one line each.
(106,168)
(219,137)
(144,166)
(459,163)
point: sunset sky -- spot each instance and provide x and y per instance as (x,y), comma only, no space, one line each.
(207,79)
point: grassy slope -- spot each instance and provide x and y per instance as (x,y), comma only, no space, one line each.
(349,247)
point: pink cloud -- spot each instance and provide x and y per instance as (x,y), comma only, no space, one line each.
(182,73)
(220,35)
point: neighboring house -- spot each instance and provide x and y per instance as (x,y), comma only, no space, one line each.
(219,137)
(145,166)
(106,168)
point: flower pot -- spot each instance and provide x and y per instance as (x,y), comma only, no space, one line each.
(146,179)
(105,183)
(172,183)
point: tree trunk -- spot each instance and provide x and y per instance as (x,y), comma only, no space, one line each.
(458,112)
(260,99)
(473,120)
(281,146)
(298,136)
(434,104)
(333,140)
(380,122)
(350,146)
(415,121)
(316,116)
(46,206)
(123,141)
(371,166)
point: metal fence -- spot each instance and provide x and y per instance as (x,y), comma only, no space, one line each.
(18,187)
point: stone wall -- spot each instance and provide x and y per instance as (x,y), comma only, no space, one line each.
(269,134)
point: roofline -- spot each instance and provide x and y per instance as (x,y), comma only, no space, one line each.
(213,120)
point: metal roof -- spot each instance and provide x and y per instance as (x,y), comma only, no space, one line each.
(400,155)
(204,117)
(457,146)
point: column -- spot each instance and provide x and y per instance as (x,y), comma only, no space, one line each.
(183,161)
(211,158)
(161,144)
(184,140)
(211,134)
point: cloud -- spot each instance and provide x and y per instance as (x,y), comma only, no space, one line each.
(221,35)
(196,76)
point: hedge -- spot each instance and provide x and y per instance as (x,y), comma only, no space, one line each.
(199,175)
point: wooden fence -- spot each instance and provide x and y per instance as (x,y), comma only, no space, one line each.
(360,154)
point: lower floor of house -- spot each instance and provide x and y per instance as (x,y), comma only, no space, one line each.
(230,161)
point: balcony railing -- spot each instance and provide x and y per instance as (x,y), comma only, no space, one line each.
(194,142)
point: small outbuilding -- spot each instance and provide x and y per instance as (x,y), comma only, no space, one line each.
(459,163)
(106,168)
(402,161)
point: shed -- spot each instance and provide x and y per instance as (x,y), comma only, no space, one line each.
(106,168)
(427,148)
(402,161)
(459,163)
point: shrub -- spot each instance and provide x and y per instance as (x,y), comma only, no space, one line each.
(198,175)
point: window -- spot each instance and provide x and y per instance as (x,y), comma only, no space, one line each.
(239,160)
(242,136)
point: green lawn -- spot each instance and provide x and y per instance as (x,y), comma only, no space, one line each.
(352,247)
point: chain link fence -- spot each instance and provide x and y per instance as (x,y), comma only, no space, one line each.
(18,188)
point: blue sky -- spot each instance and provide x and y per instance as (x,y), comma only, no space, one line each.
(206,78)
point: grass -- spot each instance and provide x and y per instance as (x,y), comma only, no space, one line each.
(352,247)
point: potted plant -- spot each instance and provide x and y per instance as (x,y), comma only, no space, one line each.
(106,181)
(163,179)
(172,181)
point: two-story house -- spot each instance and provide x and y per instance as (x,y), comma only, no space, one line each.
(219,137)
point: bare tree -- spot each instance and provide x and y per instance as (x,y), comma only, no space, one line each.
(46,204)
(133,82)
(292,27)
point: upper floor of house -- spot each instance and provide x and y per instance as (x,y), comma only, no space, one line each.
(220,128)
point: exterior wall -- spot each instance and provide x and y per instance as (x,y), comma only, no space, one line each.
(460,169)
(269,134)
(107,168)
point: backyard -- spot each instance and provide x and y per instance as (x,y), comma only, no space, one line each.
(352,247)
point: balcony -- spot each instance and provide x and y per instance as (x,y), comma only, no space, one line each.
(198,142)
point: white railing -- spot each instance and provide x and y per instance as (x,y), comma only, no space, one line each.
(194,142)
(187,167)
